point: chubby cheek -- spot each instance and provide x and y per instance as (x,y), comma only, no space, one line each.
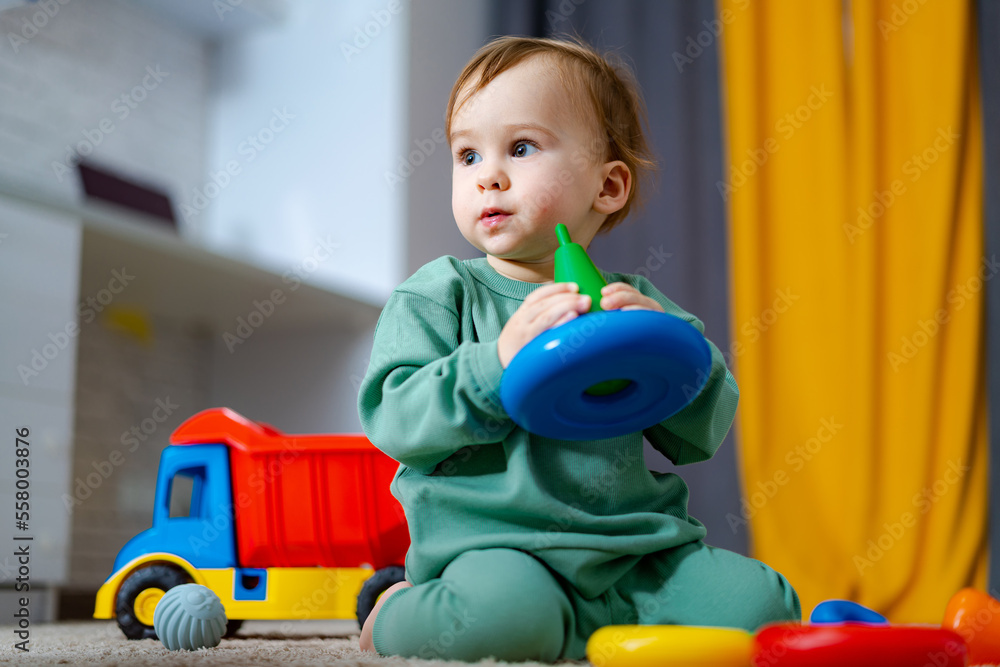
(553,192)
(539,202)
(460,204)
(464,211)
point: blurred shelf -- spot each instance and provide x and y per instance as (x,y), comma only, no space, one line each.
(222,18)
(182,281)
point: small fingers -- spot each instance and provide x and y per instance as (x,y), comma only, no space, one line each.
(566,317)
(560,299)
(548,289)
(617,295)
(654,306)
(611,288)
(559,310)
(625,297)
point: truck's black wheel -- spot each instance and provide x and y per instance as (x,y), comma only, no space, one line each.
(232,627)
(139,594)
(374,586)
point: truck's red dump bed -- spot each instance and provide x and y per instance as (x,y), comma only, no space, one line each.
(305,500)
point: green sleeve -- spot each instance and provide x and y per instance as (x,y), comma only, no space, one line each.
(426,395)
(695,433)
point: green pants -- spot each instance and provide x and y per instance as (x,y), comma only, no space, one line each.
(507,604)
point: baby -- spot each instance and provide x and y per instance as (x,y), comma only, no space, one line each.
(522,546)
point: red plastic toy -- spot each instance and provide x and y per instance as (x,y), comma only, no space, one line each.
(858,645)
(305,500)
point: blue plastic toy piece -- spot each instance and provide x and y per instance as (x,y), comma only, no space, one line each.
(197,538)
(189,617)
(666,360)
(844,611)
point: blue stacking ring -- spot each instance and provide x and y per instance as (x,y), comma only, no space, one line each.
(544,388)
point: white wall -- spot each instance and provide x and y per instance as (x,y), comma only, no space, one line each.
(323,177)
(308,382)
(302,382)
(322,174)
(133,391)
(39,261)
(126,89)
(444,36)
(62,87)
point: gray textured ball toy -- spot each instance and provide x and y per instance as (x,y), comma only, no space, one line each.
(189,617)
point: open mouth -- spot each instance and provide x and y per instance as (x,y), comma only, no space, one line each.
(493,215)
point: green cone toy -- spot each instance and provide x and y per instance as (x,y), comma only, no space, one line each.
(573,265)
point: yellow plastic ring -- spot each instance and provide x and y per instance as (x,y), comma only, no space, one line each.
(145,604)
(669,646)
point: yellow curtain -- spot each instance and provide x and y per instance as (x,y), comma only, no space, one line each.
(855,201)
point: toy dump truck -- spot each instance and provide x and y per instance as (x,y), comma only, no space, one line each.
(278,526)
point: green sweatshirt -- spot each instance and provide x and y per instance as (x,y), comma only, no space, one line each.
(472,479)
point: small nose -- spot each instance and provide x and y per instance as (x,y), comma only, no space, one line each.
(492,177)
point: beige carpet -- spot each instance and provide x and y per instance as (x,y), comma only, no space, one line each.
(295,644)
(289,644)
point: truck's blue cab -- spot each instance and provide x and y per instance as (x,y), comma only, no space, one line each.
(206,537)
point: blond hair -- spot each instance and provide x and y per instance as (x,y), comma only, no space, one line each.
(605,81)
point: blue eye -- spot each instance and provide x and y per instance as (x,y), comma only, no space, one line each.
(471,157)
(524,149)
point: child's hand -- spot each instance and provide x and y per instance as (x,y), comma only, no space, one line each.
(625,297)
(546,307)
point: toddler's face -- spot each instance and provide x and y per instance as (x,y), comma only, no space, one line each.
(525,159)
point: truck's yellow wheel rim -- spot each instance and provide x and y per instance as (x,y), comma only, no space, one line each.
(145,604)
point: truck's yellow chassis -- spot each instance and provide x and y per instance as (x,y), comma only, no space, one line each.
(294,593)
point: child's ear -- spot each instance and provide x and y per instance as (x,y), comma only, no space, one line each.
(617,185)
